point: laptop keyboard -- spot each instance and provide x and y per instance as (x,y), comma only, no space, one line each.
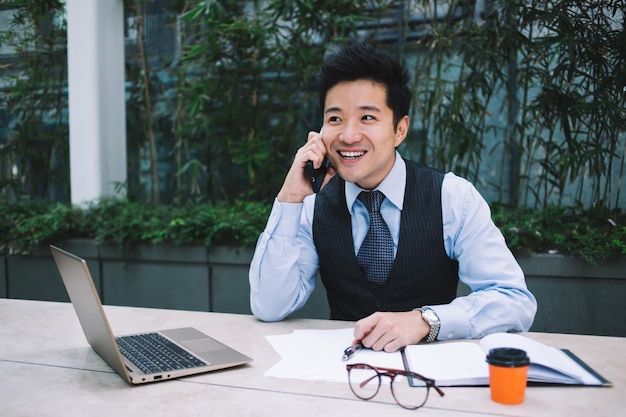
(152,353)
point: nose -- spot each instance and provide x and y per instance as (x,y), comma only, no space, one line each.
(350,133)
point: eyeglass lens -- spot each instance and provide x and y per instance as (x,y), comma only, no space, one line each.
(408,392)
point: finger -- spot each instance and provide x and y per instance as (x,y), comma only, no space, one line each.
(314,155)
(310,152)
(314,137)
(376,338)
(394,345)
(364,326)
(384,339)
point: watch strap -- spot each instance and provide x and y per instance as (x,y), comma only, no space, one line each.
(430,317)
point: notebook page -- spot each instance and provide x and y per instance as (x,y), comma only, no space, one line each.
(453,363)
(553,364)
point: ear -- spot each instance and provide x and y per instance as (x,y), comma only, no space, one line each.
(402,130)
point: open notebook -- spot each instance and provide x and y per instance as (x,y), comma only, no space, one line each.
(463,363)
(148,356)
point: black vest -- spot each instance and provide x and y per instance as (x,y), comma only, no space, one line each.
(422,273)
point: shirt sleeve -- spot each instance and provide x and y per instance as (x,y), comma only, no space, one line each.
(499,300)
(285,263)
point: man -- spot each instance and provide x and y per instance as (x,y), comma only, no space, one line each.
(436,229)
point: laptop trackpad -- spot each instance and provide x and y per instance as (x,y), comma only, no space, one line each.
(203,345)
(193,340)
(213,352)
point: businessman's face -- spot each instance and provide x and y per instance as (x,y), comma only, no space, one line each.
(359,133)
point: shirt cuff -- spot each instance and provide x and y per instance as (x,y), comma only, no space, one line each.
(284,219)
(454,322)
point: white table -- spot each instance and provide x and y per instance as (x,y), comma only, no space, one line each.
(48,369)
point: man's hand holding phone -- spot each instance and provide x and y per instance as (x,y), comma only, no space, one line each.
(309,172)
(317,175)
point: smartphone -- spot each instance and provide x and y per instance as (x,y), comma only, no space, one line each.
(316,176)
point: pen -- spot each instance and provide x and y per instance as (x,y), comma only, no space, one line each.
(351,350)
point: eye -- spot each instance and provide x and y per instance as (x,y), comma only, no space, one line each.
(368,117)
(334,119)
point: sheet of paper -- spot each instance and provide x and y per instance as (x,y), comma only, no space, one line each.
(317,354)
(455,363)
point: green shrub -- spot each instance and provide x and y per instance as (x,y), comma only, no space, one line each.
(123,222)
(597,235)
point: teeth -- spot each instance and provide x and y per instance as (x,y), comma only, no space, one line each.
(352,155)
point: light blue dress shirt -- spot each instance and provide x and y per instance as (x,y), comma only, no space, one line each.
(285,262)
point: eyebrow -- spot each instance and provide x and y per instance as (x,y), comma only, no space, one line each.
(363,108)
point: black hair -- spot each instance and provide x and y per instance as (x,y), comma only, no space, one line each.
(361,61)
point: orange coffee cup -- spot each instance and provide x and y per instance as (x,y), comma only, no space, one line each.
(508,375)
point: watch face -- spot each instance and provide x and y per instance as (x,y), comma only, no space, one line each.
(430,316)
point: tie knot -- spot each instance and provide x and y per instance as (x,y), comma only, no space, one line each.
(372,200)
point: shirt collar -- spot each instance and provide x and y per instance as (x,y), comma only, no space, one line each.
(392,186)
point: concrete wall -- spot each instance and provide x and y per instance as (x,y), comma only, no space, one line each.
(573,296)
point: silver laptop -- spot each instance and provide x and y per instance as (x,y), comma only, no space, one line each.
(144,357)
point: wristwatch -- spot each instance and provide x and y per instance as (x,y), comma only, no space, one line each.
(430,317)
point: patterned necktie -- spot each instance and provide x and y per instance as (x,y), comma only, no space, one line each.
(376,253)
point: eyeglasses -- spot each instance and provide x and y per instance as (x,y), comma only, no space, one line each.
(409,389)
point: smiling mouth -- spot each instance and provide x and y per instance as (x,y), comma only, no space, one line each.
(352,155)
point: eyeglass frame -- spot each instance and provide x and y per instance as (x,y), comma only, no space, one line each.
(392,373)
